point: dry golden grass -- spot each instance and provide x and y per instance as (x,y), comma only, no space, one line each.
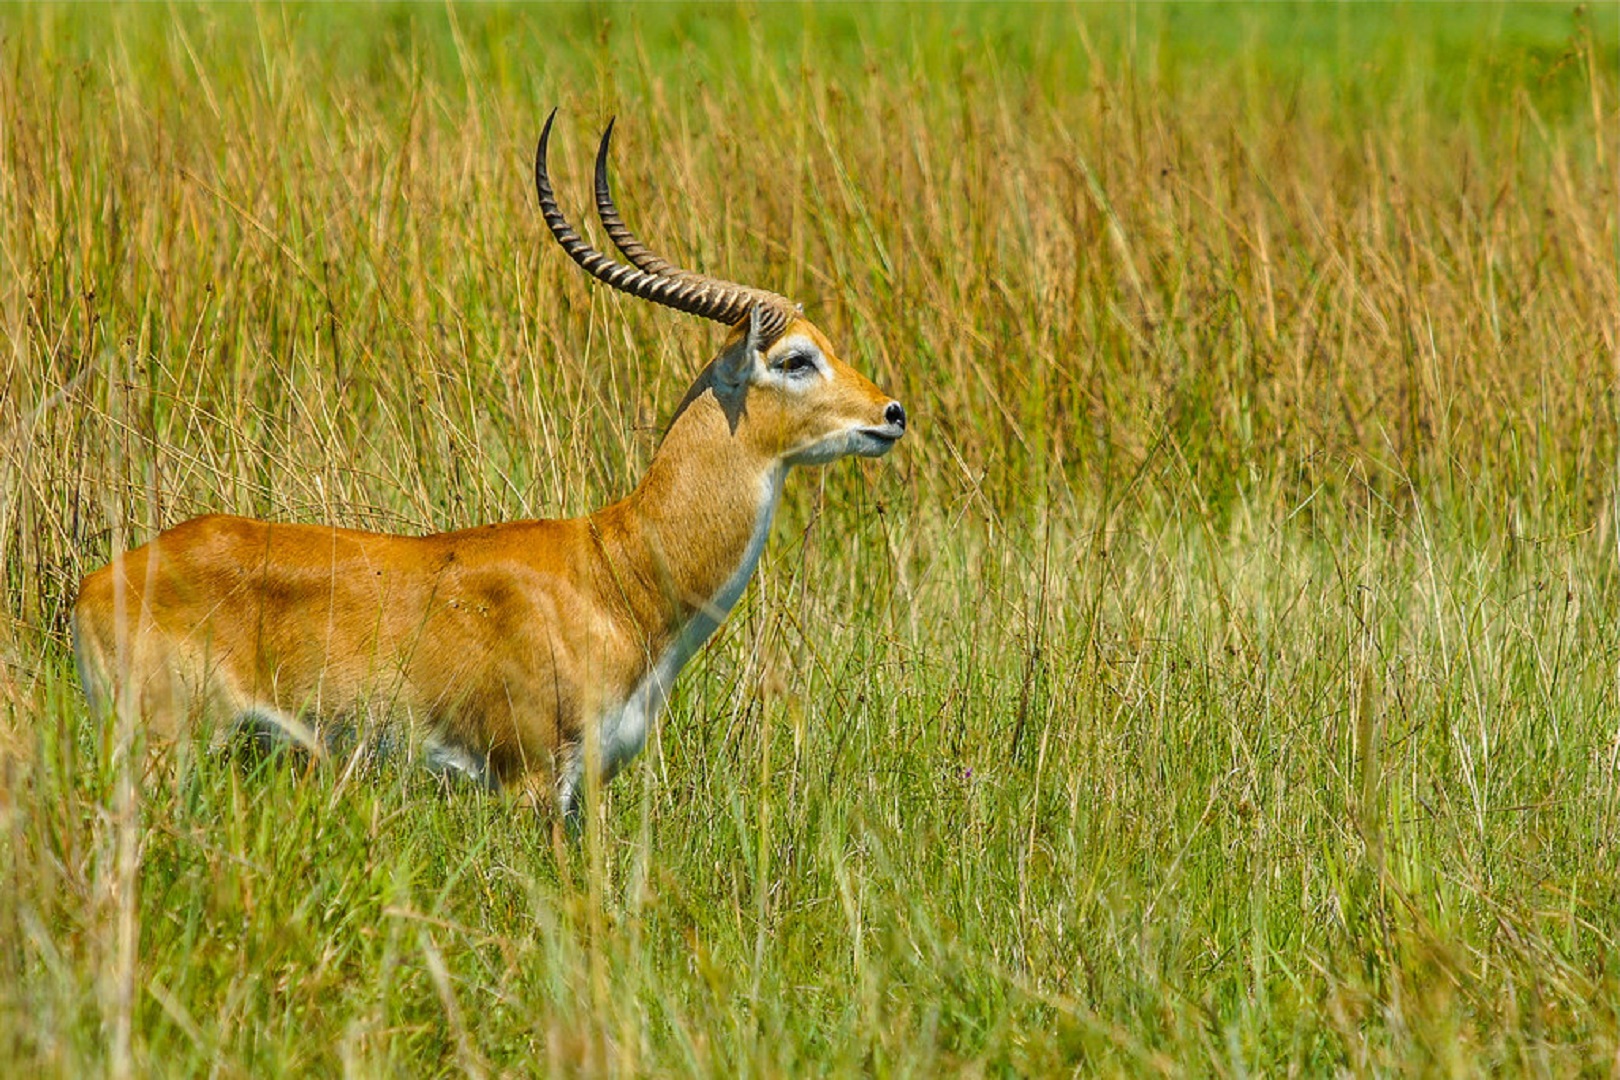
(1223,673)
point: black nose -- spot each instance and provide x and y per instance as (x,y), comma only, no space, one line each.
(895,414)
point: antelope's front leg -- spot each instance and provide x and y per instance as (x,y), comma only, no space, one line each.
(560,789)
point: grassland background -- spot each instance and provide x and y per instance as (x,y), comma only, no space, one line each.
(1223,676)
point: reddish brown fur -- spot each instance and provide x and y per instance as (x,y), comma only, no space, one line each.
(512,641)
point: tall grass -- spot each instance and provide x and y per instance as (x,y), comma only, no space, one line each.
(1223,674)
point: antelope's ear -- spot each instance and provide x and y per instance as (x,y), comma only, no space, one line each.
(745,354)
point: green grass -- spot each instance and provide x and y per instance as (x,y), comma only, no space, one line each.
(1220,679)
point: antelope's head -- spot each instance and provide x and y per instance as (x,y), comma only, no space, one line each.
(777,379)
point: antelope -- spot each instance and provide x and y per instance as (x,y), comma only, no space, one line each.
(529,655)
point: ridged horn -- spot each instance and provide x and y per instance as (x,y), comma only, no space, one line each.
(652,278)
(626,241)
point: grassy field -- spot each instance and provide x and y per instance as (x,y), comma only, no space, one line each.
(1223,677)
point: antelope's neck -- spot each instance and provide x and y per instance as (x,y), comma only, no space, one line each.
(688,538)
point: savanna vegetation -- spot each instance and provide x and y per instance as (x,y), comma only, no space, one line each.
(1221,677)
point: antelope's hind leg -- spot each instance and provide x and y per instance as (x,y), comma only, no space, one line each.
(453,762)
(257,733)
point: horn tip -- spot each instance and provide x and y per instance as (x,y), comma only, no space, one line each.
(545,137)
(602,150)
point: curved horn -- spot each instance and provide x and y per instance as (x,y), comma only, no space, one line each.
(695,294)
(626,241)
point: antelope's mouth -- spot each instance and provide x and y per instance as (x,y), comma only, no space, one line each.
(877,441)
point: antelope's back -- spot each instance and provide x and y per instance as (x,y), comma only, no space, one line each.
(229,616)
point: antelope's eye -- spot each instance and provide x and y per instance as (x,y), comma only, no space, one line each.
(795,363)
